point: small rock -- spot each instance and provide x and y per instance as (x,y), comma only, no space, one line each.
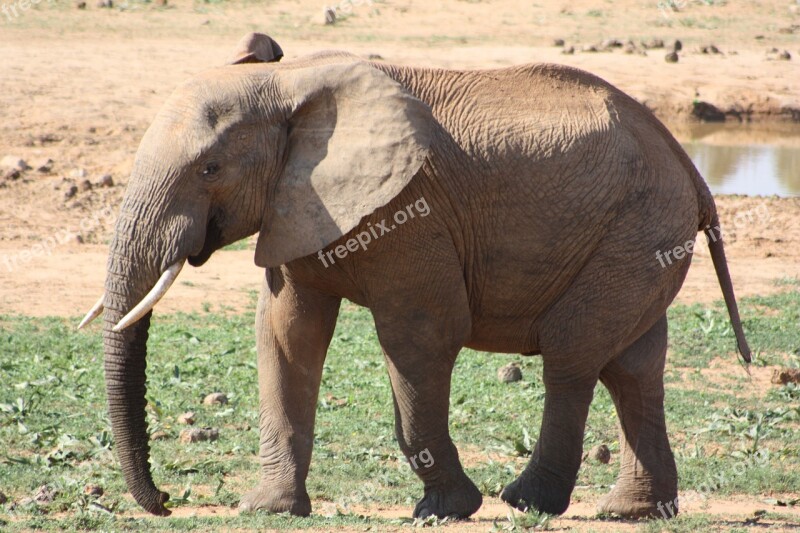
(215,398)
(706,112)
(11,175)
(785,56)
(78,173)
(85,185)
(105,4)
(589,48)
(600,453)
(671,57)
(629,48)
(162,3)
(81,5)
(558,42)
(509,373)
(328,17)
(187,419)
(568,51)
(93,490)
(159,435)
(375,57)
(653,43)
(14,162)
(782,376)
(77,239)
(677,46)
(44,165)
(611,43)
(205,22)
(710,49)
(759,37)
(45,494)
(190,435)
(72,191)
(106,181)
(3,498)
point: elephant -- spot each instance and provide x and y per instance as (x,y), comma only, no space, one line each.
(544,212)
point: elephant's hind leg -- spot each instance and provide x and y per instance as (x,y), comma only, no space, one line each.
(648,480)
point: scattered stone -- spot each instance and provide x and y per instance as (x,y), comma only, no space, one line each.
(11,175)
(600,453)
(785,56)
(81,5)
(85,185)
(677,46)
(45,494)
(159,435)
(706,112)
(93,490)
(629,48)
(72,191)
(611,43)
(375,57)
(77,239)
(671,57)
(45,165)
(107,4)
(78,173)
(215,398)
(328,17)
(710,49)
(653,43)
(106,181)
(190,435)
(568,51)
(759,37)
(558,42)
(510,373)
(589,48)
(187,419)
(782,376)
(3,498)
(14,162)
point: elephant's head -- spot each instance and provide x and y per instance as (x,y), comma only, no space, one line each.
(298,152)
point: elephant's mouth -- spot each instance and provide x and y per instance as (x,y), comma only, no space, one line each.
(212,243)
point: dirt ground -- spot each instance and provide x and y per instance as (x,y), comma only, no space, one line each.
(79,87)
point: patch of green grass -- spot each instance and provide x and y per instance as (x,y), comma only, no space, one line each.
(55,431)
(244,244)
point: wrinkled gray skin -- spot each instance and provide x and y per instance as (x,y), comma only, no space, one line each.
(549,191)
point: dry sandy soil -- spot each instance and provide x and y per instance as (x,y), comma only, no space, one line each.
(80,87)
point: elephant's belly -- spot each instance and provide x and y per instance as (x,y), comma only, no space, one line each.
(504,336)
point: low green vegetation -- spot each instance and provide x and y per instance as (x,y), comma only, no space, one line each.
(730,434)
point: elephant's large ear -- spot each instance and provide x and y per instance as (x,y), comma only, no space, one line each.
(355,139)
(256,48)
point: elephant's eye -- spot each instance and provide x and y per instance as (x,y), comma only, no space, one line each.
(210,170)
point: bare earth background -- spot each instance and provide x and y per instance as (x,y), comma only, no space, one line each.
(80,87)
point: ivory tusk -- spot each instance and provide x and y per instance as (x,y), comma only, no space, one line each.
(148,302)
(94,312)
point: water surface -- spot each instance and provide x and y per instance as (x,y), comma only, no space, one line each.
(745,159)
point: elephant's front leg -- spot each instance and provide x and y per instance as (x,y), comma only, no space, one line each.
(421,343)
(294,326)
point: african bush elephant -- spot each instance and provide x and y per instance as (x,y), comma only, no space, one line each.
(538,206)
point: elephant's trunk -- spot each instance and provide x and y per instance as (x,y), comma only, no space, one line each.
(134,265)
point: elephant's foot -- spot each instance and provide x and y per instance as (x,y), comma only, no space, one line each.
(460,499)
(275,501)
(628,502)
(532,491)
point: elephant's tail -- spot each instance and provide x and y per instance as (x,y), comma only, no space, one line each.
(715,246)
